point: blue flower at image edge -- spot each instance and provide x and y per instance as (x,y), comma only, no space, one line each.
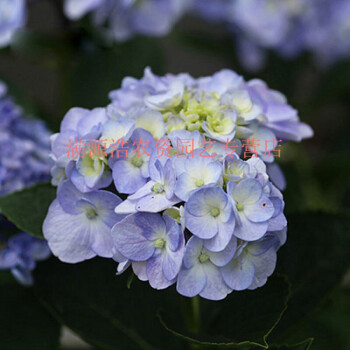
(24,147)
(19,254)
(24,161)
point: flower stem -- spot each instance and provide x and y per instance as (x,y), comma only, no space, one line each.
(196,314)
(192,317)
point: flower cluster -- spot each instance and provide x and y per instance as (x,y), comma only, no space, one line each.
(24,160)
(12,17)
(24,147)
(207,220)
(19,253)
(288,27)
(125,18)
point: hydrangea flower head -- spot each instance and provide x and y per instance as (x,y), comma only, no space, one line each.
(199,209)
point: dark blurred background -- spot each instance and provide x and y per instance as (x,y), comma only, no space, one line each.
(57,65)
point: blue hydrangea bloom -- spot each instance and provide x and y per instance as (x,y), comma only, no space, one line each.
(24,147)
(12,17)
(252,208)
(131,171)
(209,215)
(156,195)
(125,18)
(78,225)
(195,172)
(200,274)
(199,207)
(252,264)
(19,253)
(154,244)
(75,152)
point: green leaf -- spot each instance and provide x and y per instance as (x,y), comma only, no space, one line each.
(27,208)
(98,306)
(315,258)
(24,323)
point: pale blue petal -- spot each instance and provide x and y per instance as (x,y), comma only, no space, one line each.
(185,186)
(249,231)
(172,263)
(68,195)
(262,246)
(154,270)
(153,225)
(277,204)
(102,243)
(264,266)
(215,287)
(143,191)
(127,177)
(223,257)
(105,203)
(139,268)
(276,176)
(282,237)
(122,267)
(69,236)
(169,179)
(260,211)
(277,223)
(221,240)
(191,282)
(156,202)
(197,204)
(126,207)
(92,122)
(129,240)
(193,250)
(205,227)
(213,173)
(239,273)
(174,233)
(72,118)
(247,191)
